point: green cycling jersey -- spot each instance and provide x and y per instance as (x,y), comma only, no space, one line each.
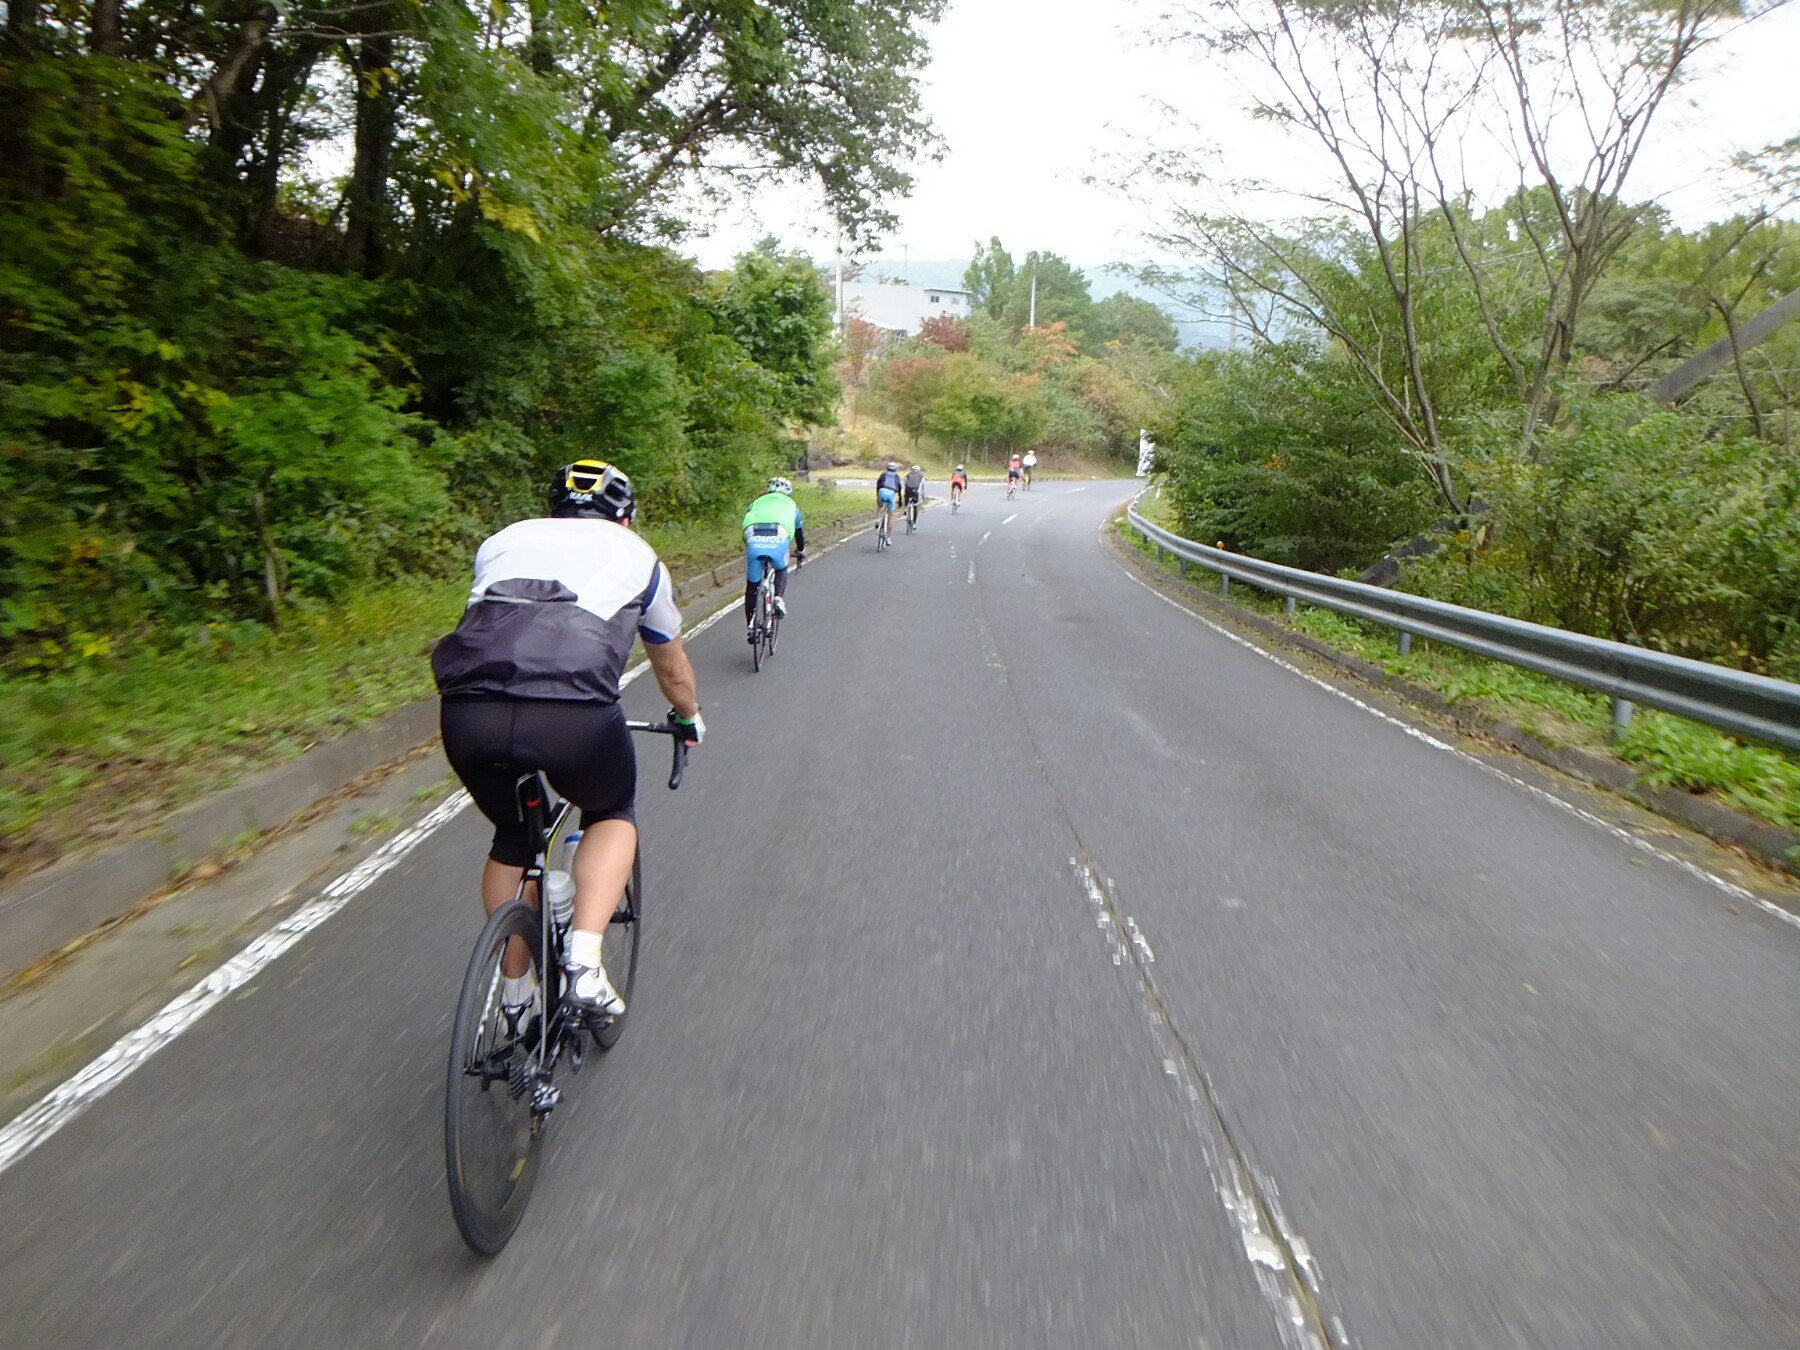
(773,508)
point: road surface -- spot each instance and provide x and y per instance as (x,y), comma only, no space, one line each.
(1028,964)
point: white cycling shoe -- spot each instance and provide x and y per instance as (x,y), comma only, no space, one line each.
(781,606)
(589,991)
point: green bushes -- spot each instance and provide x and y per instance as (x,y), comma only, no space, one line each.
(1277,453)
(1637,525)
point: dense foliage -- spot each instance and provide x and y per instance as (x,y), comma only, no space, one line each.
(297,296)
(1504,366)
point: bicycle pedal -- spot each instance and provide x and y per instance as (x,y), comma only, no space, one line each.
(545,1099)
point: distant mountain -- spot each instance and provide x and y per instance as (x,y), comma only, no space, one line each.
(1194,329)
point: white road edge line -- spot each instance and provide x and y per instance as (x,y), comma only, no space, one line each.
(127,1054)
(63,1103)
(1730,888)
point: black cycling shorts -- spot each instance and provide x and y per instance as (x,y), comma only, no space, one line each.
(582,747)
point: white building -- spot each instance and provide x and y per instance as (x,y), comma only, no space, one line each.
(898,308)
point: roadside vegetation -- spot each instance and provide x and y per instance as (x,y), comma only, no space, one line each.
(1541,385)
(1077,387)
(299,301)
(105,748)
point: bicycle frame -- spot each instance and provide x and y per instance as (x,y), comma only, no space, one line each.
(542,823)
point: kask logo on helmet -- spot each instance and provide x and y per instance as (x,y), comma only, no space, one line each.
(594,489)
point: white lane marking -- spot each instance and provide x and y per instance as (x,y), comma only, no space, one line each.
(67,1101)
(1073,490)
(983,539)
(1010,519)
(1248,1200)
(971,571)
(1730,888)
(120,1060)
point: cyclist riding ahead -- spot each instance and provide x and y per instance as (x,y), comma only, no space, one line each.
(1014,468)
(915,487)
(959,484)
(530,680)
(887,493)
(1029,465)
(771,522)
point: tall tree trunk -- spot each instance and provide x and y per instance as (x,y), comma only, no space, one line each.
(225,76)
(18,151)
(106,32)
(284,85)
(366,200)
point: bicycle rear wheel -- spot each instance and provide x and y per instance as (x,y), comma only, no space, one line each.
(491,1140)
(774,629)
(762,627)
(619,951)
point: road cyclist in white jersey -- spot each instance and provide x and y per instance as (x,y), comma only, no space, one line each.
(530,680)
(1028,464)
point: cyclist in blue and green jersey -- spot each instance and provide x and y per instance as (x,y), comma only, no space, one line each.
(771,523)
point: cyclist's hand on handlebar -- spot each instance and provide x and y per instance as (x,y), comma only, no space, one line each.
(690,731)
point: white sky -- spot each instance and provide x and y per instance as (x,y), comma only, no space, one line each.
(1030,95)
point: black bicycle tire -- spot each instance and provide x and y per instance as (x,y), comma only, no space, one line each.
(774,629)
(762,626)
(632,901)
(486,1229)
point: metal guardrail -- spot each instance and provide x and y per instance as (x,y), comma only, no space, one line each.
(1748,705)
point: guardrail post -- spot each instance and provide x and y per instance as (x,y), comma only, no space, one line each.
(1224,583)
(1290,607)
(1181,566)
(1621,716)
(1405,642)
(1159,553)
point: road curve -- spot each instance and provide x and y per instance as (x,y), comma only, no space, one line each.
(1027,965)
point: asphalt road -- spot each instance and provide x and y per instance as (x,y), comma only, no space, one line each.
(1027,965)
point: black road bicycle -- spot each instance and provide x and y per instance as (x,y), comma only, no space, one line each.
(912,514)
(502,1087)
(765,622)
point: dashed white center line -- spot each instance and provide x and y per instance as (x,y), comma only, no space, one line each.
(971,571)
(1010,519)
(984,539)
(1079,489)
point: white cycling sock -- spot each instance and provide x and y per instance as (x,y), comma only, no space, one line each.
(518,989)
(584,948)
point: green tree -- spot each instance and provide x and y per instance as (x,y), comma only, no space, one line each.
(1062,297)
(989,278)
(1124,318)
(777,309)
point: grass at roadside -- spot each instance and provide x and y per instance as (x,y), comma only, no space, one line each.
(1667,751)
(108,749)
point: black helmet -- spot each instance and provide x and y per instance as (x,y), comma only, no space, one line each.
(593,489)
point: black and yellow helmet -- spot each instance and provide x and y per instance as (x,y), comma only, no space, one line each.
(593,489)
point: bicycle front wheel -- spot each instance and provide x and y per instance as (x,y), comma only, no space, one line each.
(491,1141)
(619,951)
